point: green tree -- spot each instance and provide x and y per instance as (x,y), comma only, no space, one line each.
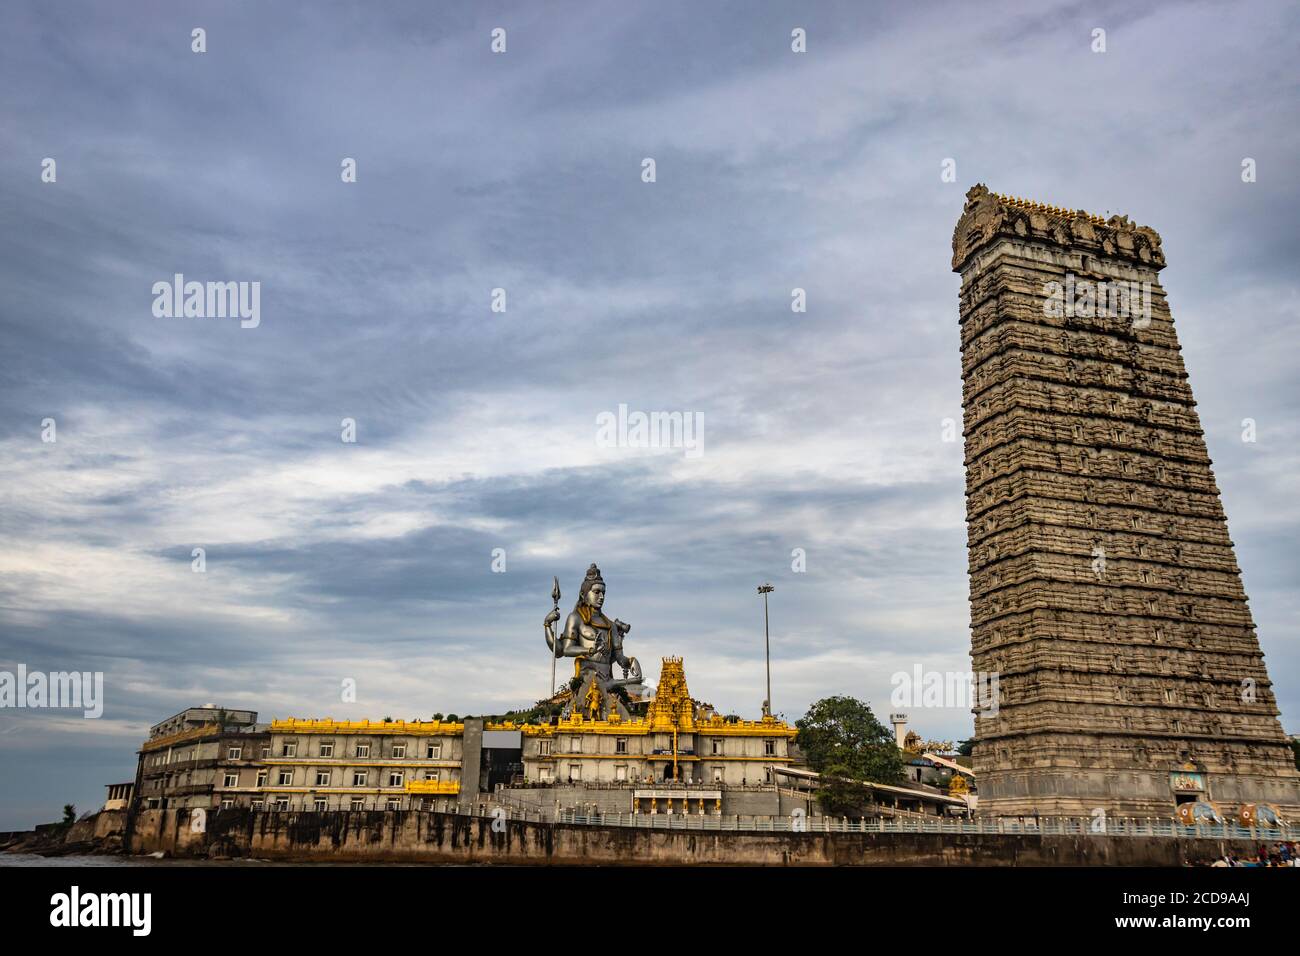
(69,814)
(966,748)
(840,793)
(845,743)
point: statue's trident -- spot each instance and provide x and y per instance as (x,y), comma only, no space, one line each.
(555,641)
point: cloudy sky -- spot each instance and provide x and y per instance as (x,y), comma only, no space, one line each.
(476,429)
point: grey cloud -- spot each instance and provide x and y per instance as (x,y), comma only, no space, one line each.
(522,171)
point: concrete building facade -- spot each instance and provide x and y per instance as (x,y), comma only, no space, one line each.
(200,767)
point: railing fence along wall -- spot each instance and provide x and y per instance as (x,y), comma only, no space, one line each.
(1047,826)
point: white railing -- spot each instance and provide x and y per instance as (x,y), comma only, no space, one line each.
(1047,826)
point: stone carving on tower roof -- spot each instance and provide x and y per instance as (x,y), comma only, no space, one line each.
(988,215)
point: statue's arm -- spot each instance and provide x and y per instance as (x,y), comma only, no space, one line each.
(572,643)
(616,639)
(548,626)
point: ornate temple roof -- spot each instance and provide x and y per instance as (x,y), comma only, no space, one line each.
(1058,211)
(671,708)
(989,215)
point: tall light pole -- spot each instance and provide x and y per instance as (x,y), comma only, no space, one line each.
(765,590)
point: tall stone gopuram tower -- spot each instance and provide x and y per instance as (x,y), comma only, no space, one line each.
(1104,589)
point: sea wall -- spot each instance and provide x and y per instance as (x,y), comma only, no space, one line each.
(427,837)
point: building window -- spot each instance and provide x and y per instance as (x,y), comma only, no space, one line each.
(327,748)
(261,778)
(231,780)
(266,751)
(433,752)
(282,803)
(544,748)
(717,775)
(395,778)
(717,746)
(575,745)
(322,778)
(394,804)
(318,804)
(363,750)
(234,753)
(360,778)
(286,778)
(433,775)
(575,771)
(290,749)
(769,748)
(620,745)
(227,804)
(620,772)
(259,804)
(399,750)
(358,803)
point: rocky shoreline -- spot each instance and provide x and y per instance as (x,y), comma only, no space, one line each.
(99,834)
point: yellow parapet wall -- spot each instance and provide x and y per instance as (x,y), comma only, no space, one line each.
(401,727)
(717,726)
(671,710)
(433,786)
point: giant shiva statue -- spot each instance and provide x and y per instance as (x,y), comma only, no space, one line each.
(597,644)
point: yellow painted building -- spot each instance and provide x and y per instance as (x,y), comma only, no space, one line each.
(678,754)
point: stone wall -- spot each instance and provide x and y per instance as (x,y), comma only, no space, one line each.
(402,836)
